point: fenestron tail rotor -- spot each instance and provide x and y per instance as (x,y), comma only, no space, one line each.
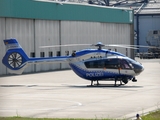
(15,60)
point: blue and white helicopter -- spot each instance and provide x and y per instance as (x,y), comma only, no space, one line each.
(90,64)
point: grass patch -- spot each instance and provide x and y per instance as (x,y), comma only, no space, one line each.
(151,116)
(27,118)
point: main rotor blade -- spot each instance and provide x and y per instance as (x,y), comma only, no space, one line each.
(122,46)
(108,45)
(63,45)
(140,46)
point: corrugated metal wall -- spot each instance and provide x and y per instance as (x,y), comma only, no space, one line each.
(32,34)
(2,47)
(23,31)
(46,33)
(78,32)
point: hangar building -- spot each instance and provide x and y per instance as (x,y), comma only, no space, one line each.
(41,23)
(146,19)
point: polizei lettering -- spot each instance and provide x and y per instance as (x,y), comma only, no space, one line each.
(96,74)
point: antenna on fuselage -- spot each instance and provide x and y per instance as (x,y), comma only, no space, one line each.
(99,45)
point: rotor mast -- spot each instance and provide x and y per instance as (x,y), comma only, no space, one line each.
(99,45)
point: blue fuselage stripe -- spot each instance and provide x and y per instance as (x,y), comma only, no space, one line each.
(94,75)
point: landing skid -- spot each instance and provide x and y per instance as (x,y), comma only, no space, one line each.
(105,85)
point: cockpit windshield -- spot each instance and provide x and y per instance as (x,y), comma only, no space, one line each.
(131,61)
(124,64)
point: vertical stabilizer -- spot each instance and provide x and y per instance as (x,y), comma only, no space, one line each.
(15,58)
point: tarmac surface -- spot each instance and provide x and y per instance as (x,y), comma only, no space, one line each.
(62,94)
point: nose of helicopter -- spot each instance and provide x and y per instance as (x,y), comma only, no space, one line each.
(138,68)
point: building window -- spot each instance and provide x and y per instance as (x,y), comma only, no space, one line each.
(67,53)
(42,54)
(58,53)
(155,32)
(73,53)
(50,53)
(32,54)
(126,52)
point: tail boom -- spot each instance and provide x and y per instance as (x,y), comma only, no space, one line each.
(61,59)
(16,59)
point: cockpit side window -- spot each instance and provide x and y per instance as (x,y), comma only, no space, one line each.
(124,64)
(95,64)
(111,64)
(108,64)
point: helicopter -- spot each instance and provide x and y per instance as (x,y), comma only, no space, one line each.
(90,64)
